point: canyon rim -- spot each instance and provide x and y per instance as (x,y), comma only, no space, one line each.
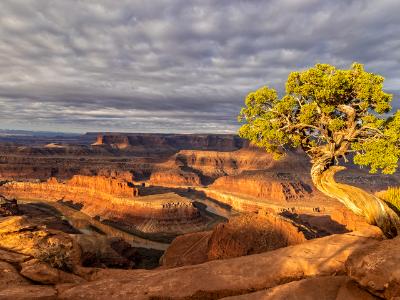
(178,150)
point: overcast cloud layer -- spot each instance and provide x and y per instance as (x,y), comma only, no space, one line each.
(177,65)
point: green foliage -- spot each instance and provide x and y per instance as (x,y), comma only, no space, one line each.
(329,113)
(381,151)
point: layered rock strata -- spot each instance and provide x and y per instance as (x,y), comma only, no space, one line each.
(116,201)
(174,178)
(281,187)
(224,142)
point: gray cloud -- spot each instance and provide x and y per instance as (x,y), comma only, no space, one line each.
(177,66)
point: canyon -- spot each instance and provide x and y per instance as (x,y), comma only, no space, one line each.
(210,207)
(116,201)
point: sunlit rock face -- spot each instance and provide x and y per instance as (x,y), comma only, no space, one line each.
(244,235)
(174,178)
(113,186)
(376,268)
(117,201)
(99,186)
(236,276)
(272,187)
(21,235)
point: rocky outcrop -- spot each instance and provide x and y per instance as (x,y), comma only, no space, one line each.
(251,234)
(222,278)
(215,164)
(113,186)
(174,178)
(310,269)
(9,276)
(376,268)
(8,207)
(187,249)
(18,234)
(243,235)
(324,287)
(95,186)
(41,272)
(31,253)
(281,187)
(353,222)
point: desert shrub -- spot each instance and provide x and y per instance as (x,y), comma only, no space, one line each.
(392,196)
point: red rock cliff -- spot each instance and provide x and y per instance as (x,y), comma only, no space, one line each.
(116,187)
(279,187)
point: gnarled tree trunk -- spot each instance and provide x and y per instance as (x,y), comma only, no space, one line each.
(375,210)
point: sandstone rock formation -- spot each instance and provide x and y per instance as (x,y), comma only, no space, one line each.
(9,276)
(310,268)
(243,235)
(324,287)
(281,187)
(174,178)
(28,292)
(41,272)
(251,234)
(215,164)
(376,268)
(8,207)
(187,249)
(92,185)
(31,253)
(116,201)
(113,186)
(224,142)
(20,235)
(222,278)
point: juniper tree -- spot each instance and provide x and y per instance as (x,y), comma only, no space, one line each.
(333,115)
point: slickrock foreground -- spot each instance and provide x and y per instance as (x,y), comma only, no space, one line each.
(37,262)
(324,287)
(377,268)
(218,279)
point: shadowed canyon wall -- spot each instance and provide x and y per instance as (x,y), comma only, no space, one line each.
(221,142)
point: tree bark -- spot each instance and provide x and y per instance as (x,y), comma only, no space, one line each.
(362,203)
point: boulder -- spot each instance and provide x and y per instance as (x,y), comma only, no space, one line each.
(376,268)
(21,235)
(243,235)
(187,249)
(43,273)
(251,234)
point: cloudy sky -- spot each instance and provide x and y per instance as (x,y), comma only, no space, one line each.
(177,65)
